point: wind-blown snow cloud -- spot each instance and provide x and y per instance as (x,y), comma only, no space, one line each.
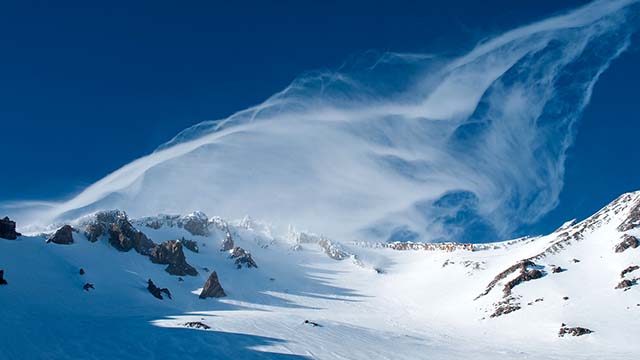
(391,146)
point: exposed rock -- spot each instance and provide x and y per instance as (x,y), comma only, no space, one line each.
(633,220)
(190,245)
(625,284)
(243,258)
(156,291)
(629,269)
(227,243)
(197,325)
(505,307)
(565,298)
(171,253)
(522,266)
(212,288)
(628,241)
(122,235)
(557,269)
(62,236)
(82,271)
(8,229)
(573,331)
(88,286)
(196,223)
(575,260)
(2,279)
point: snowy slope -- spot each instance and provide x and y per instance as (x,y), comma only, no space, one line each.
(374,302)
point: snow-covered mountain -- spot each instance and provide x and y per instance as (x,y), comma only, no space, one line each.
(108,286)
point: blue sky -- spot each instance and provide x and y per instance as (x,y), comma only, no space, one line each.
(86,89)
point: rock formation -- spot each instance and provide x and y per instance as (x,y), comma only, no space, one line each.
(62,236)
(190,245)
(156,291)
(212,287)
(242,258)
(573,331)
(2,279)
(8,229)
(171,253)
(628,241)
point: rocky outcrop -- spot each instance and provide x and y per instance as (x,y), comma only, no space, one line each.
(62,236)
(8,229)
(197,325)
(88,286)
(196,223)
(626,284)
(190,245)
(242,258)
(212,288)
(227,243)
(156,291)
(633,219)
(2,279)
(628,241)
(505,307)
(171,253)
(122,235)
(521,266)
(332,249)
(526,275)
(573,331)
(628,270)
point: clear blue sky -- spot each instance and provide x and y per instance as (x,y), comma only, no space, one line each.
(86,87)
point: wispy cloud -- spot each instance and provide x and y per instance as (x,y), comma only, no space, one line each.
(413,144)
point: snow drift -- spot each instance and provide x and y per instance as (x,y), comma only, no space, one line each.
(390,146)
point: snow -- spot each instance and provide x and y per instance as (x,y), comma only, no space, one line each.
(420,304)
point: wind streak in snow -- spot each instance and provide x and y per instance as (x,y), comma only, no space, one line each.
(392,146)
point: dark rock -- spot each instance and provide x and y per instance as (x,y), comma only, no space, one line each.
(62,236)
(632,221)
(525,276)
(227,243)
(3,281)
(628,241)
(212,287)
(575,260)
(180,279)
(629,269)
(242,258)
(171,253)
(557,269)
(625,284)
(122,235)
(309,322)
(156,291)
(8,229)
(573,331)
(521,266)
(196,223)
(82,271)
(197,325)
(206,269)
(88,286)
(505,307)
(565,298)
(190,245)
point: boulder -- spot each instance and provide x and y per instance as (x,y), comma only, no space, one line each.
(242,258)
(2,279)
(62,236)
(171,253)
(197,325)
(628,270)
(212,288)
(8,229)
(88,286)
(156,291)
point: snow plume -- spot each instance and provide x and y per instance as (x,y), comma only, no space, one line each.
(390,146)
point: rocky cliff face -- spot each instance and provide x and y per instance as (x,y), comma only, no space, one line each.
(8,229)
